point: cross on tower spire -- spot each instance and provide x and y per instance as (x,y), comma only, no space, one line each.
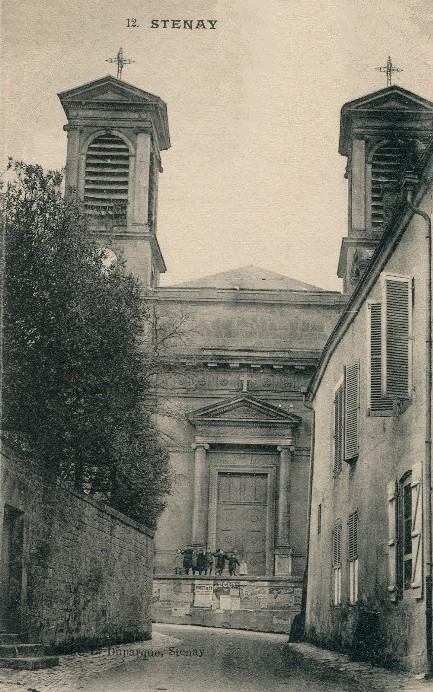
(121,62)
(389,69)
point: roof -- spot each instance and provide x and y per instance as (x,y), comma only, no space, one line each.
(393,99)
(109,89)
(250,278)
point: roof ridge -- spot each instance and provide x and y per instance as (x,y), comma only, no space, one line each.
(248,277)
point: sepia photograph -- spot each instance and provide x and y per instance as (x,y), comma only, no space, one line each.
(216,346)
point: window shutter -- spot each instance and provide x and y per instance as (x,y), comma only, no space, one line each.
(377,401)
(417,566)
(336,545)
(392,540)
(351,401)
(338,429)
(352,527)
(106,176)
(396,334)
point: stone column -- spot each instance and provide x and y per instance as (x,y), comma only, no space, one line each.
(72,158)
(358,187)
(283,565)
(141,178)
(198,527)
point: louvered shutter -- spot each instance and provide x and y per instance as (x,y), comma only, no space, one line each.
(385,176)
(351,411)
(417,566)
(392,540)
(353,536)
(106,177)
(396,334)
(377,401)
(338,429)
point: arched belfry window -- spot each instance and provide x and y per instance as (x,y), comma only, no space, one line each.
(106,177)
(386,170)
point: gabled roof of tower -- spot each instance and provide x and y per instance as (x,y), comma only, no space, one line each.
(249,277)
(392,98)
(116,92)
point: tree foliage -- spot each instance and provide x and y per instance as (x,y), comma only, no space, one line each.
(78,364)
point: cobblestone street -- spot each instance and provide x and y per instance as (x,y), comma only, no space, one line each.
(181,658)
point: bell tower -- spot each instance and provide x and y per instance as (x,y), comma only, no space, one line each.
(116,133)
(381,134)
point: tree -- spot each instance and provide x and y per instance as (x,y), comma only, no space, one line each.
(78,365)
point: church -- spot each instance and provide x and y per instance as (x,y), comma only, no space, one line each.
(231,398)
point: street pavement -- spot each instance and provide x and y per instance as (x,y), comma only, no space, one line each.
(206,659)
(200,659)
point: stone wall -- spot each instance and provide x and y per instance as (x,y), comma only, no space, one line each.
(86,569)
(251,603)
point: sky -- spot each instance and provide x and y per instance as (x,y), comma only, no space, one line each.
(253,175)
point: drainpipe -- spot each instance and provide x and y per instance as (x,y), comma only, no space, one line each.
(299,636)
(427,471)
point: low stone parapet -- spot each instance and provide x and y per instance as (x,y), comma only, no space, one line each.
(265,604)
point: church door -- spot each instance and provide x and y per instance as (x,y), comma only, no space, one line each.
(241,517)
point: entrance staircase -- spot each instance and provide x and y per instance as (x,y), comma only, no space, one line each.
(15,653)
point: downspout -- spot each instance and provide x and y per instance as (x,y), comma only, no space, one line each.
(298,635)
(427,471)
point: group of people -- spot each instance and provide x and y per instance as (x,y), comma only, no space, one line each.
(202,560)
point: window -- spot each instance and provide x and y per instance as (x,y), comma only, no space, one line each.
(106,177)
(319,519)
(352,531)
(406,533)
(377,402)
(351,411)
(338,430)
(336,561)
(396,336)
(405,536)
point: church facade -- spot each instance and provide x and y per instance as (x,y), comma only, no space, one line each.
(231,398)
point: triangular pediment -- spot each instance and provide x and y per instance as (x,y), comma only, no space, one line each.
(389,104)
(110,90)
(244,409)
(391,98)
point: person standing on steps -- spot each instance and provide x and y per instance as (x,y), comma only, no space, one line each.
(194,562)
(209,562)
(220,561)
(233,561)
(187,558)
(201,561)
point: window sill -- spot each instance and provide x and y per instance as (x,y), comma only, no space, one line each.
(380,414)
(401,405)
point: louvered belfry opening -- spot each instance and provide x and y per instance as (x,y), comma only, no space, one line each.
(106,178)
(386,173)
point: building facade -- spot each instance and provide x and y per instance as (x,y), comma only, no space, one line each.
(369,565)
(231,399)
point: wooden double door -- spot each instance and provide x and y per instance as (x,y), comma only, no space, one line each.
(242,508)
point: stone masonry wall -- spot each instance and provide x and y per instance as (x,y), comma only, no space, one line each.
(87,569)
(251,603)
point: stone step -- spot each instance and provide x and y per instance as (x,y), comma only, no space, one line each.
(20,649)
(29,662)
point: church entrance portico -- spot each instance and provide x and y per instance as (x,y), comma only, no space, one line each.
(243,451)
(242,457)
